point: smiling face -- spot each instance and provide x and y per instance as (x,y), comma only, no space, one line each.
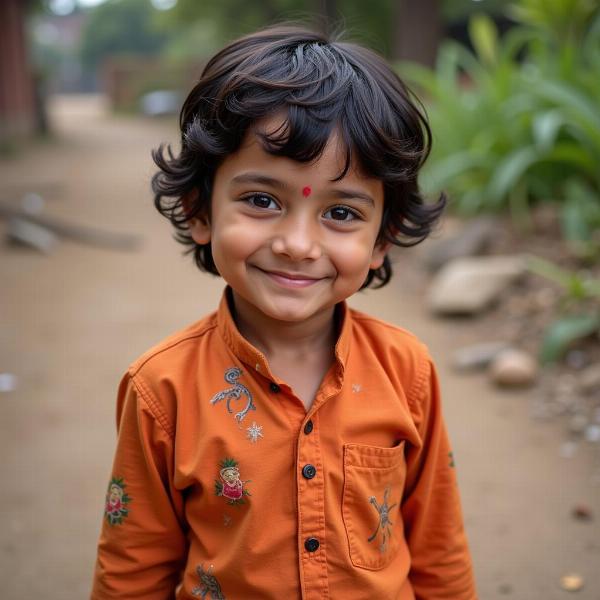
(289,254)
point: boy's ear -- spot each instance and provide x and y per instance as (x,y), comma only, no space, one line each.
(200,230)
(199,225)
(379,252)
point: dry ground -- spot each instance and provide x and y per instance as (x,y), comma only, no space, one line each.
(72,321)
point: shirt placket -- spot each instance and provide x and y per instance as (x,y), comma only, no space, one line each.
(310,478)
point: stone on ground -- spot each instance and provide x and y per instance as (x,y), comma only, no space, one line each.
(513,368)
(470,285)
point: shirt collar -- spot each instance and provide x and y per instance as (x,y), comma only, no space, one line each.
(256,360)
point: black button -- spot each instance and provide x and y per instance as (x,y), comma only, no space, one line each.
(308,471)
(311,544)
(308,427)
(275,388)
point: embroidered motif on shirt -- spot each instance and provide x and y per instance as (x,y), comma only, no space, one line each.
(384,519)
(254,432)
(209,586)
(227,520)
(115,509)
(231,486)
(235,393)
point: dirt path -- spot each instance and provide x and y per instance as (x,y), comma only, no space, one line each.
(71,322)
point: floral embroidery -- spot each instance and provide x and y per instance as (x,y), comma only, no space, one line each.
(115,509)
(384,519)
(235,393)
(254,432)
(208,585)
(227,520)
(231,486)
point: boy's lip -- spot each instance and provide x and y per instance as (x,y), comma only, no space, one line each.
(292,279)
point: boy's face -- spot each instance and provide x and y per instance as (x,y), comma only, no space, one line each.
(289,241)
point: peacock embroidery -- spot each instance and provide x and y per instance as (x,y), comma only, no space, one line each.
(235,392)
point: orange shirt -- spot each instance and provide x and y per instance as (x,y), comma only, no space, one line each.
(223,486)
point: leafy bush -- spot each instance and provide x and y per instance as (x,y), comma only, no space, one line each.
(517,121)
(580,316)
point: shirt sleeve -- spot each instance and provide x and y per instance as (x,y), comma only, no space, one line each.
(440,560)
(142,546)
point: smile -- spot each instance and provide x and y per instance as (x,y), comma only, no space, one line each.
(291,280)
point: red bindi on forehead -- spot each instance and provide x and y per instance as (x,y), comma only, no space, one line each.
(306,191)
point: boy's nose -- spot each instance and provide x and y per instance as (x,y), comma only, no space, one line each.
(298,240)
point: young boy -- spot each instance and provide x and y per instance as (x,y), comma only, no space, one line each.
(287,446)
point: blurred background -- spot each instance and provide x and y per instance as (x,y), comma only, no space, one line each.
(506,293)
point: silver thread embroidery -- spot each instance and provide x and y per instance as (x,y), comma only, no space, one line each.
(235,393)
(209,584)
(384,519)
(254,432)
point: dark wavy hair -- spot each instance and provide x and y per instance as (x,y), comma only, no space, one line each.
(322,84)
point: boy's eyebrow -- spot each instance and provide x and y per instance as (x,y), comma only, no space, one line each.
(260,179)
(350,194)
(339,193)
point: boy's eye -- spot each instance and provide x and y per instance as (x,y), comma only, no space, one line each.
(261,201)
(340,213)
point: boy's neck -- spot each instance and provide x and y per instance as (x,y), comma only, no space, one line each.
(317,335)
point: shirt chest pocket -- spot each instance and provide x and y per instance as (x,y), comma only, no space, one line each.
(373,487)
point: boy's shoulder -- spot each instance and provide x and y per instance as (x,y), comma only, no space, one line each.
(387,334)
(176,349)
(399,353)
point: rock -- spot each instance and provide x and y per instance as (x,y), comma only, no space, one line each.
(577,359)
(513,368)
(572,582)
(578,423)
(505,589)
(472,240)
(592,433)
(477,356)
(589,379)
(582,512)
(469,285)
(23,232)
(8,382)
(567,450)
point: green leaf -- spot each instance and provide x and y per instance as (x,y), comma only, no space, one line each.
(581,211)
(484,37)
(566,95)
(562,333)
(573,223)
(509,172)
(549,270)
(545,128)
(444,170)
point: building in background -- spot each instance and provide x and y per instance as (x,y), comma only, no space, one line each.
(18,115)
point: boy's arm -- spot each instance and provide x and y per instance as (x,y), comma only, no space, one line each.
(440,560)
(142,545)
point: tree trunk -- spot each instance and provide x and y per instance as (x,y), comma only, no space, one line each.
(417,30)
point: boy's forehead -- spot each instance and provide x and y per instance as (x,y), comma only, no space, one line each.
(328,165)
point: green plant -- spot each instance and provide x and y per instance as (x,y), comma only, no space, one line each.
(580,308)
(517,121)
